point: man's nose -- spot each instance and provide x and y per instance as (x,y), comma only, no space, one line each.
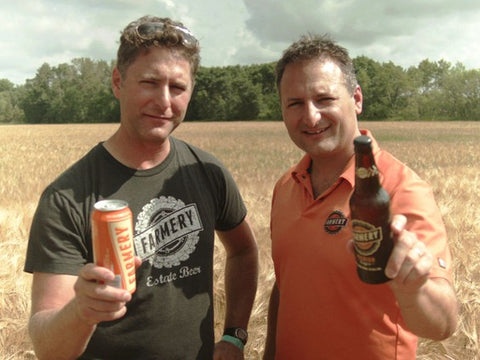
(312,114)
(162,98)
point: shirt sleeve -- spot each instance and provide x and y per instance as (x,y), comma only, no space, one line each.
(57,240)
(413,197)
(232,208)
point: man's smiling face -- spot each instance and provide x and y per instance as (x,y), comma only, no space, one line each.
(319,112)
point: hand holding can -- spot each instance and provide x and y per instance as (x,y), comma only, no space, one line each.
(112,237)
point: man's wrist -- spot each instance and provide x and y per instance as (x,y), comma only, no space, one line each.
(234,341)
(237,332)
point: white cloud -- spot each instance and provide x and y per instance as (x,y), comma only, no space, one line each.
(241,32)
(404,32)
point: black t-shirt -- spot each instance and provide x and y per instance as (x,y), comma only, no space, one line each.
(176,208)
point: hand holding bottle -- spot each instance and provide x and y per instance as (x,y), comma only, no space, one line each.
(410,262)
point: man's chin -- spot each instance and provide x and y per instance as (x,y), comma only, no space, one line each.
(323,150)
(155,136)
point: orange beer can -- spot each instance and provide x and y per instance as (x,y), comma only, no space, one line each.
(112,237)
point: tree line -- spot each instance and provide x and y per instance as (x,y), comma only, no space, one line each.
(79,92)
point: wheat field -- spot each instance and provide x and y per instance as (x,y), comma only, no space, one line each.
(446,154)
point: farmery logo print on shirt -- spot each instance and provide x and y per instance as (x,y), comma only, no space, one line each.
(167,232)
(335,222)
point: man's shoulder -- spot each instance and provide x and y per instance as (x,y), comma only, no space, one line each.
(285,183)
(396,175)
(184,148)
(389,163)
(79,169)
(300,168)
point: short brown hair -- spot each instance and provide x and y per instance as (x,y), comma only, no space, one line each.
(173,35)
(320,47)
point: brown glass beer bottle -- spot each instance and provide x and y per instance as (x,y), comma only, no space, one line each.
(370,214)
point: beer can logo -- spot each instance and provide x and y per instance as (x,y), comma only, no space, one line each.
(367,238)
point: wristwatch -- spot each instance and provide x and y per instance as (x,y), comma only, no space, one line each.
(239,333)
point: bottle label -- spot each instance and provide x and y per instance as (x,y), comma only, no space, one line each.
(364,173)
(367,238)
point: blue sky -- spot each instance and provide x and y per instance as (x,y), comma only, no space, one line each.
(241,32)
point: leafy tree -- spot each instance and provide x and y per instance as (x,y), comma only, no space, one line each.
(10,110)
(460,94)
(210,97)
(366,70)
(37,100)
(245,96)
(263,77)
(6,85)
(80,92)
(71,93)
(428,79)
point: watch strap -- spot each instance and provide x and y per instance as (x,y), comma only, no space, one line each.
(233,340)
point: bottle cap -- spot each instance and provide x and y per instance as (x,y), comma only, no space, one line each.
(362,143)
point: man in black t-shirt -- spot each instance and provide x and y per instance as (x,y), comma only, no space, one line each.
(179,196)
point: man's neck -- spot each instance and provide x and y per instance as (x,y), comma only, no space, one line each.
(324,172)
(137,155)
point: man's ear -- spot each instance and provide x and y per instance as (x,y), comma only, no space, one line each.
(358,99)
(116,82)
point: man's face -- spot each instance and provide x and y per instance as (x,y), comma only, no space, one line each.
(318,111)
(154,94)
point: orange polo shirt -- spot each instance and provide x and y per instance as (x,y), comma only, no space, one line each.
(325,311)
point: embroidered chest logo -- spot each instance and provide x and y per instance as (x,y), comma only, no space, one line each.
(335,222)
(167,232)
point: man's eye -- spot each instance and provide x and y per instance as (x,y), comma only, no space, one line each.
(178,87)
(326,100)
(294,104)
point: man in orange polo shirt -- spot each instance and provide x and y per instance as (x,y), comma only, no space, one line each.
(319,308)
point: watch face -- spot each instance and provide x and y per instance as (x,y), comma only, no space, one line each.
(241,334)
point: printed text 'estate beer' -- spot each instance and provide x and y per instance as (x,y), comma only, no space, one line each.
(370,212)
(112,236)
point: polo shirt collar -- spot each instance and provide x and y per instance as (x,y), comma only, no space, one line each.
(300,172)
(375,146)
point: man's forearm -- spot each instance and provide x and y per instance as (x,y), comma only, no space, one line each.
(432,311)
(59,333)
(241,276)
(270,341)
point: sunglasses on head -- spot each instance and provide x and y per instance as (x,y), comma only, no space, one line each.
(149,31)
